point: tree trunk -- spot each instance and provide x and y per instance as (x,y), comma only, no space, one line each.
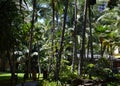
(61,43)
(79,64)
(52,39)
(88,48)
(10,61)
(11,68)
(74,38)
(91,41)
(39,67)
(13,61)
(103,48)
(31,37)
(83,37)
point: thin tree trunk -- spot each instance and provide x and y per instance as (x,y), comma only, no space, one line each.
(10,61)
(13,62)
(75,38)
(39,67)
(79,63)
(103,50)
(52,39)
(57,17)
(90,38)
(101,47)
(61,43)
(31,37)
(88,48)
(11,68)
(83,36)
(91,41)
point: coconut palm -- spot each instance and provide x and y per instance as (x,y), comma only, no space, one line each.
(109,31)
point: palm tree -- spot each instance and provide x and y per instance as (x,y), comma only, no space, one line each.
(61,43)
(74,36)
(52,38)
(31,37)
(90,38)
(109,27)
(83,36)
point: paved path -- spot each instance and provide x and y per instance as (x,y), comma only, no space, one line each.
(32,83)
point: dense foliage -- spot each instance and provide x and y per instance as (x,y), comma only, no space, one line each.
(66,40)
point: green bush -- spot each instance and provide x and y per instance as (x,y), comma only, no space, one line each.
(66,76)
(113,84)
(49,83)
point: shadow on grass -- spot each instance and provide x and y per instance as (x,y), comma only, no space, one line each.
(6,81)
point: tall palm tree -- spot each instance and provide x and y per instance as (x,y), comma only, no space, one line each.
(31,37)
(90,38)
(52,31)
(83,36)
(61,42)
(74,36)
(110,23)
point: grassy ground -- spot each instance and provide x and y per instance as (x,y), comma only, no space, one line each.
(5,79)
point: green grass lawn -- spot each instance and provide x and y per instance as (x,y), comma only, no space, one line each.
(5,79)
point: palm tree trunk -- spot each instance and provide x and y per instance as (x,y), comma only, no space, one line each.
(52,31)
(88,48)
(11,67)
(91,41)
(13,62)
(61,43)
(83,37)
(39,67)
(31,37)
(103,50)
(75,38)
(10,61)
